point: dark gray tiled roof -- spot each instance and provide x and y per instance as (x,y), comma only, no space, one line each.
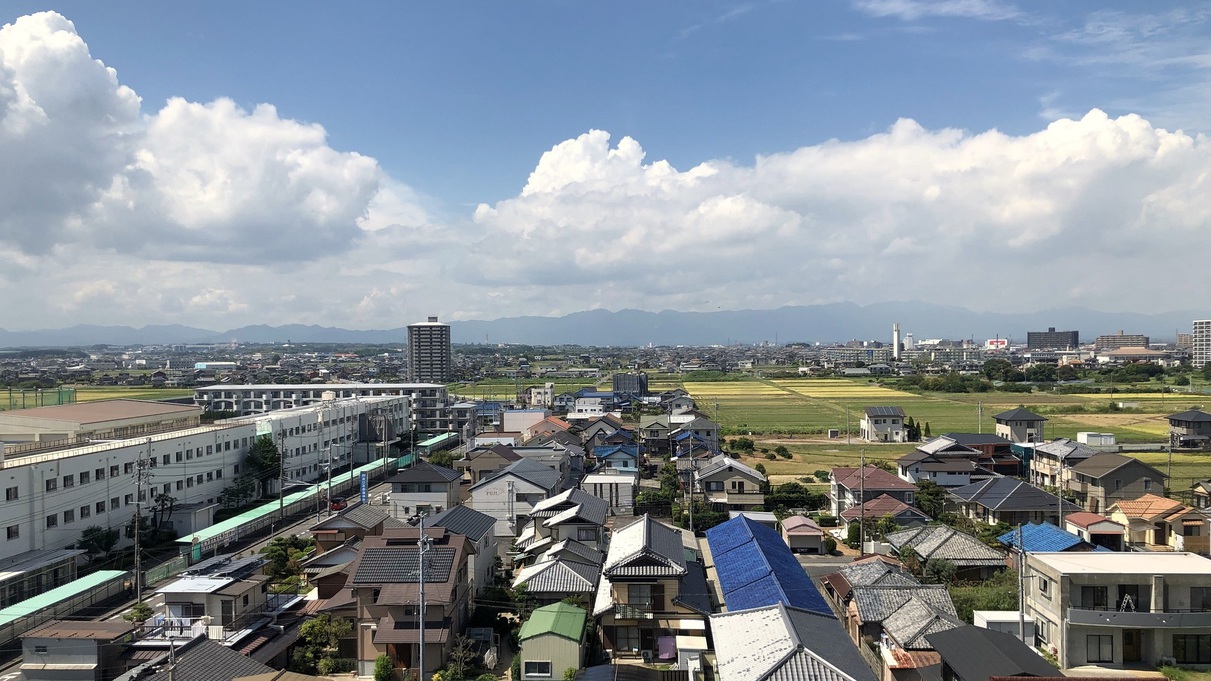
(978,653)
(400,564)
(877,603)
(588,507)
(1009,494)
(209,661)
(1018,414)
(425,472)
(365,515)
(645,548)
(463,520)
(531,471)
(939,541)
(916,618)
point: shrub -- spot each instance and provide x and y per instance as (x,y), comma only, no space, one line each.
(382,668)
(830,545)
(827,521)
(771,456)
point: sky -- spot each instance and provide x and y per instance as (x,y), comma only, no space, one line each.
(366,165)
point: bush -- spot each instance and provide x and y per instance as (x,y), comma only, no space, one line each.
(827,521)
(830,545)
(771,456)
(853,535)
(382,668)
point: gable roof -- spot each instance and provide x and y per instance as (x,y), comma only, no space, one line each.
(646,547)
(973,439)
(364,516)
(1019,414)
(1105,463)
(884,412)
(1041,537)
(880,506)
(877,603)
(756,568)
(561,619)
(939,541)
(786,644)
(532,472)
(1066,450)
(573,551)
(463,520)
(1149,507)
(915,619)
(569,505)
(1009,494)
(1191,415)
(944,443)
(1085,519)
(209,660)
(877,572)
(799,524)
(424,471)
(503,451)
(558,576)
(876,478)
(976,653)
(724,462)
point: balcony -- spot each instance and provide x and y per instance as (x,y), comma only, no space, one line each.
(1114,618)
(623,611)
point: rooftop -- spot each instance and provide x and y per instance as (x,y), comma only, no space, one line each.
(82,629)
(756,568)
(103,410)
(561,619)
(1111,563)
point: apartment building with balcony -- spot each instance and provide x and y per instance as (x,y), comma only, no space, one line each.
(1121,609)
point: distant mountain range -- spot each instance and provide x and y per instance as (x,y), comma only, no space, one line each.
(811,323)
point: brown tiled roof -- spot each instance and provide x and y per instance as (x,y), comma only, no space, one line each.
(878,507)
(1086,518)
(876,478)
(1148,507)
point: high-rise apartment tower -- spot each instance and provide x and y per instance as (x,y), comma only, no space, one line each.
(1200,343)
(429,352)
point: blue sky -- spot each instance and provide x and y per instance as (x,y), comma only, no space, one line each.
(455,105)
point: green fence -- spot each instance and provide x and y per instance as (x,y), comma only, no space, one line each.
(27,398)
(163,571)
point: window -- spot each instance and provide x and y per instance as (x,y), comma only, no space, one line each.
(209,477)
(128,499)
(12,494)
(69,481)
(69,516)
(128,468)
(180,458)
(714,486)
(114,505)
(534,668)
(1118,484)
(85,478)
(1045,587)
(188,482)
(100,506)
(167,487)
(99,474)
(199,478)
(209,449)
(245,599)
(14,531)
(218,474)
(1147,484)
(52,484)
(85,511)
(1094,597)
(626,638)
(181,485)
(52,520)
(1042,630)
(586,534)
(1200,598)
(1192,648)
(1099,648)
(113,471)
(164,459)
(151,463)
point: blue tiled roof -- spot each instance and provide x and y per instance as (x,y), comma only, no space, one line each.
(1041,537)
(756,568)
(603,451)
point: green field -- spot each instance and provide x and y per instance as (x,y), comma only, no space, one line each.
(796,413)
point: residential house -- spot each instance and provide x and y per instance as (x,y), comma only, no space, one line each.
(650,592)
(386,589)
(727,483)
(654,435)
(973,560)
(222,597)
(1162,524)
(896,618)
(617,457)
(1020,425)
(61,650)
(1104,479)
(356,521)
(196,659)
(572,514)
(552,641)
(854,486)
(972,653)
(701,428)
(1044,537)
(883,424)
(1096,529)
(872,570)
(553,579)
(605,424)
(881,507)
(1200,494)
(1121,609)
(509,494)
(617,487)
(424,488)
(990,445)
(802,534)
(478,528)
(1051,460)
(1190,429)
(1010,501)
(782,642)
(482,461)
(755,568)
(945,460)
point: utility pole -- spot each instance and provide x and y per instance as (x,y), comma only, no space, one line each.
(422,547)
(862,508)
(282,475)
(1021,586)
(142,474)
(847,424)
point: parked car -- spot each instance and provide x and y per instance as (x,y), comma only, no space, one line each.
(338,504)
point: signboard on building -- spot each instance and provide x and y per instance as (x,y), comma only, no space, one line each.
(365,493)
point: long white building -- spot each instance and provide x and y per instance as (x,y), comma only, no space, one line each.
(54,489)
(430,401)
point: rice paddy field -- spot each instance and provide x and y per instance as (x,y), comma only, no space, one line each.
(798,412)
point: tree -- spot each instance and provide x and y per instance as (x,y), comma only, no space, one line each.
(884,465)
(1042,373)
(97,541)
(930,498)
(264,461)
(744,444)
(885,526)
(927,432)
(284,554)
(140,613)
(764,486)
(164,506)
(241,490)
(997,369)
(147,532)
(908,556)
(383,670)
(782,451)
(939,571)
(462,653)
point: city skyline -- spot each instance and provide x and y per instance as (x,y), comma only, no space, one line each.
(366,168)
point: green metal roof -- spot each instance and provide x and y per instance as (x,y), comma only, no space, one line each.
(561,619)
(438,440)
(30,606)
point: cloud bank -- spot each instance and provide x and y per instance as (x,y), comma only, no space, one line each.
(213,215)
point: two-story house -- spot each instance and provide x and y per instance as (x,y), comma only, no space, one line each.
(1121,609)
(1051,461)
(883,424)
(478,528)
(728,484)
(482,461)
(219,597)
(424,488)
(701,428)
(654,435)
(1010,501)
(649,590)
(386,589)
(357,521)
(1019,425)
(509,494)
(1200,494)
(1159,523)
(1104,479)
(855,486)
(1190,429)
(572,514)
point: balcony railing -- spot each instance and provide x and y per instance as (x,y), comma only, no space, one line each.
(632,612)
(1170,619)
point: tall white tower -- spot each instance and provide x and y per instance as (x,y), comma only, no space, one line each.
(895,340)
